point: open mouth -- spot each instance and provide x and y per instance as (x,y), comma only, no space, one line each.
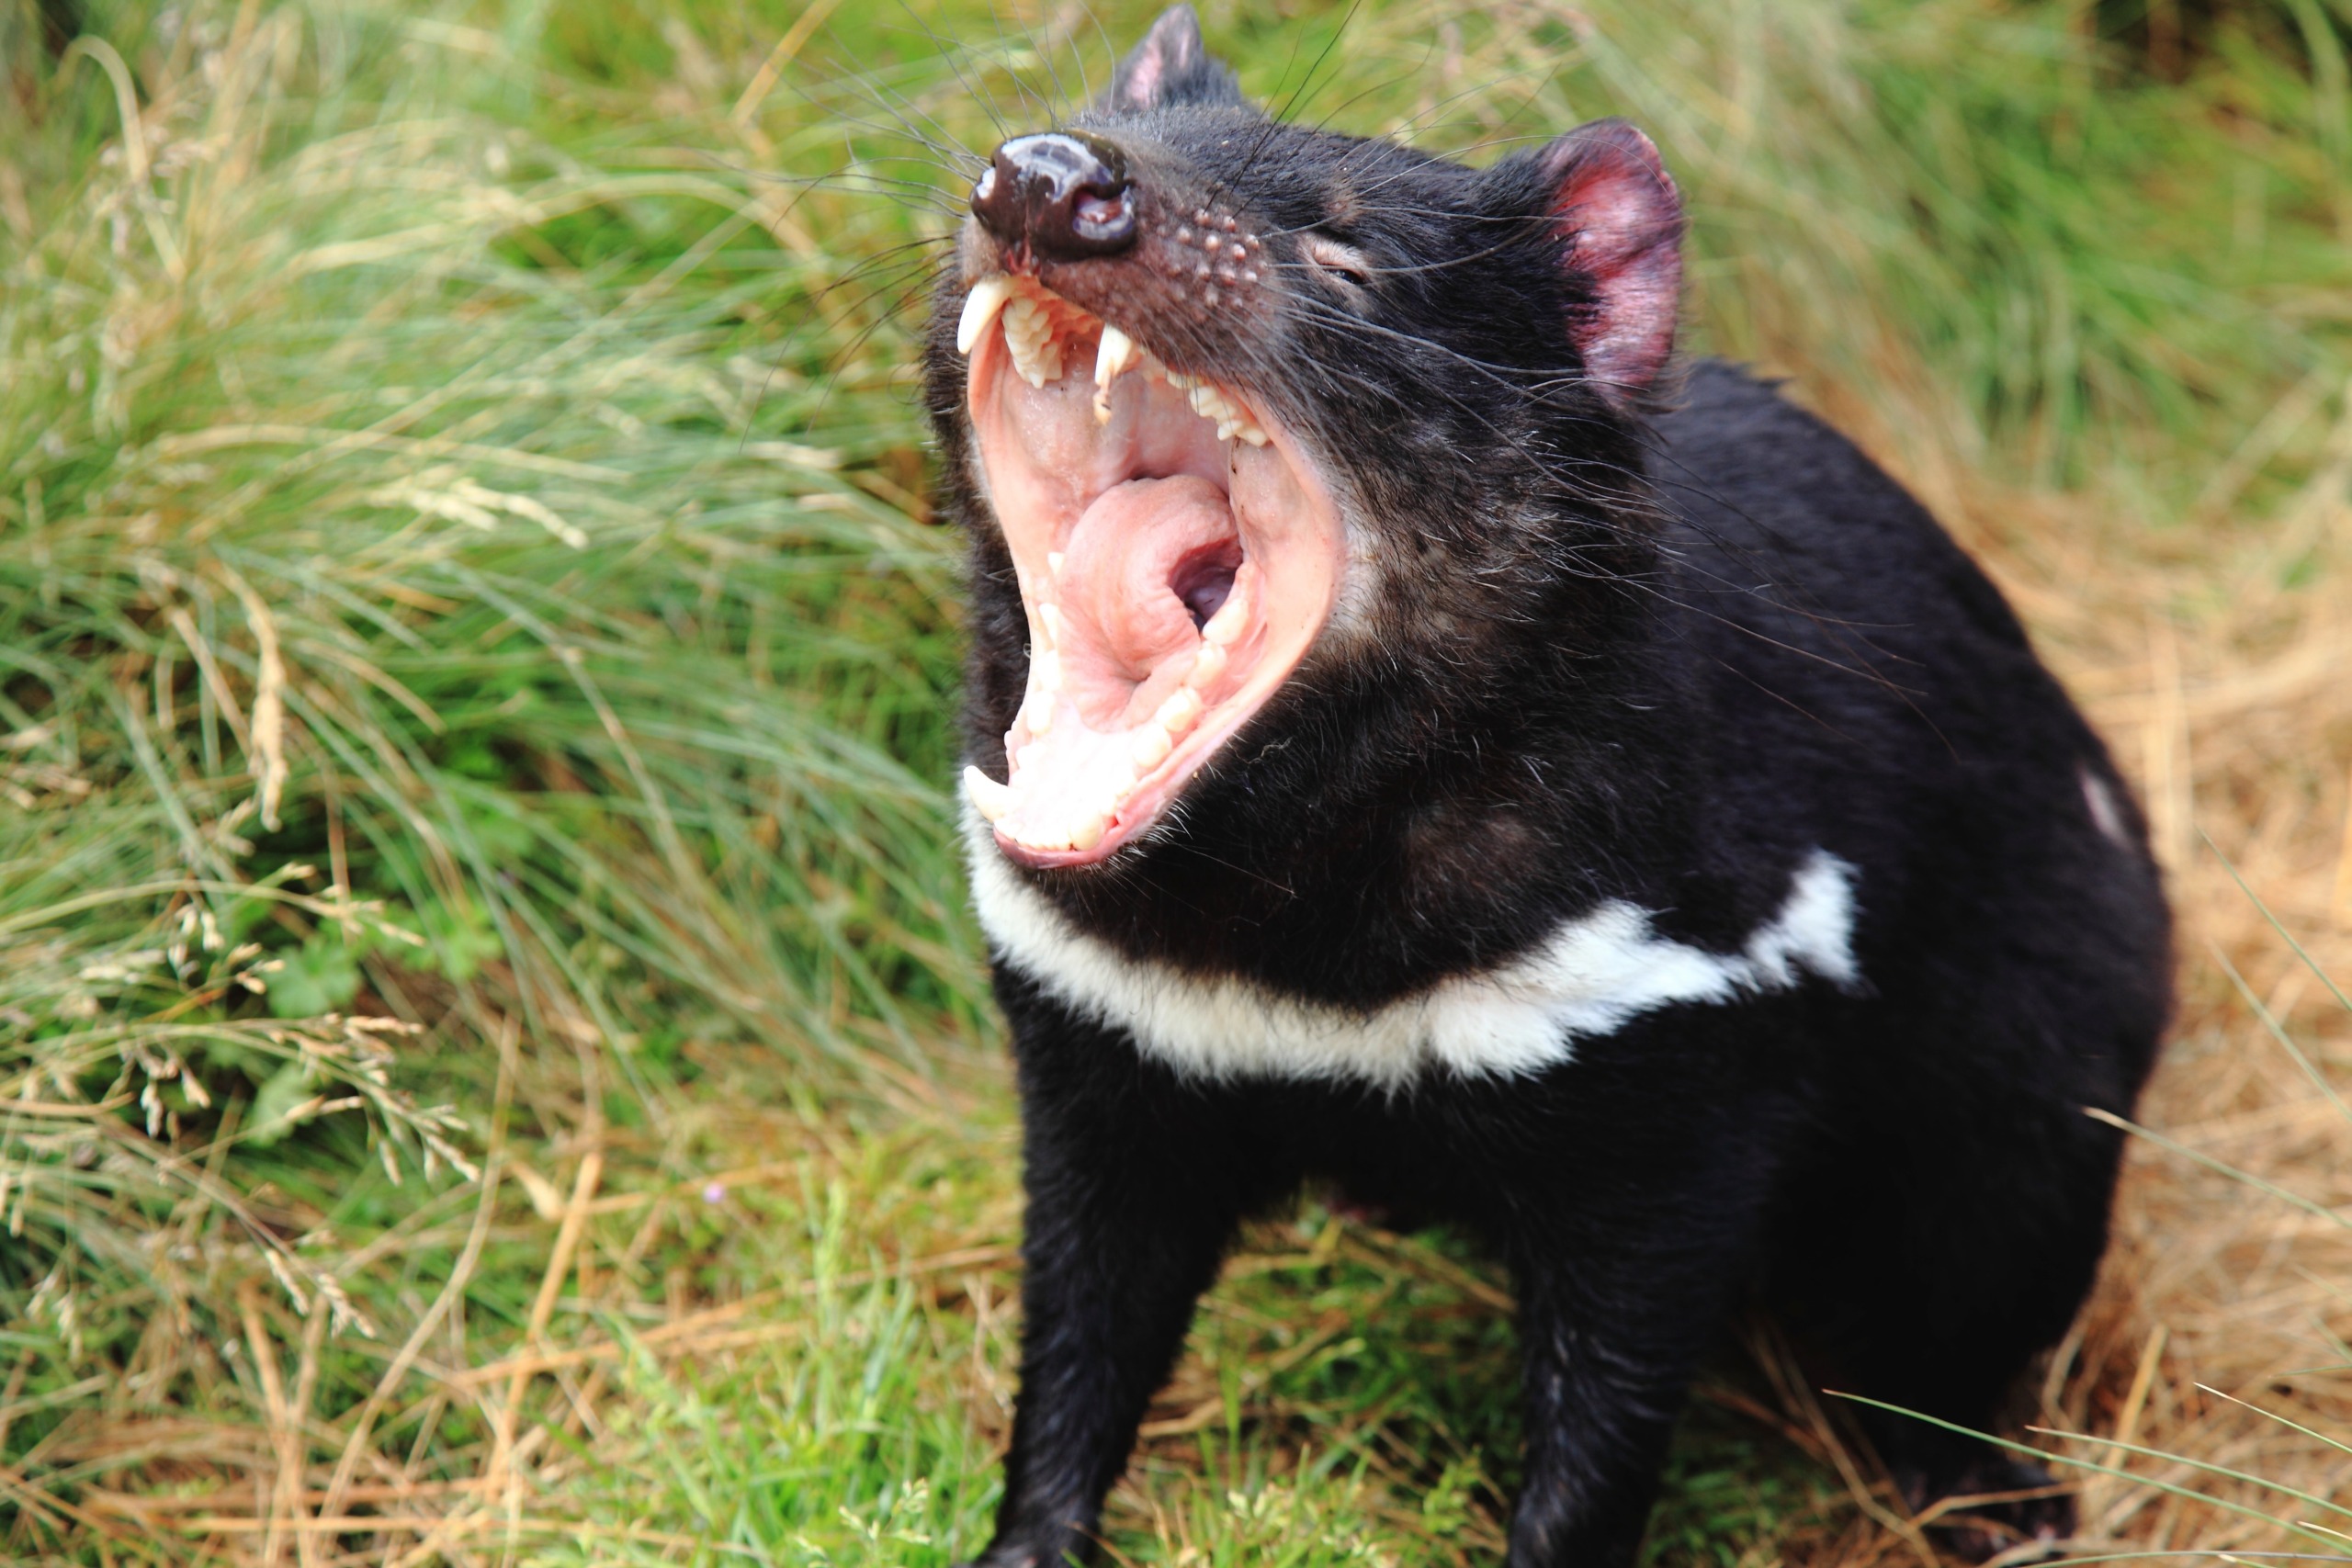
(1176,552)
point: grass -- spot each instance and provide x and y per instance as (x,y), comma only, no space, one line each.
(493,1063)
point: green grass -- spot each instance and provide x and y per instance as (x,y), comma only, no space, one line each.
(475,689)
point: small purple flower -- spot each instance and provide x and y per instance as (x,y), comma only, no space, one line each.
(715,1193)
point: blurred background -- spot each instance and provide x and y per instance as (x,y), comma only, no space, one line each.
(494,1063)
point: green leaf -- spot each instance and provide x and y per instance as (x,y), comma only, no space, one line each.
(323,976)
(287,1088)
(459,941)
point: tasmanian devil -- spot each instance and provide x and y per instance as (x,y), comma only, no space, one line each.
(1422,741)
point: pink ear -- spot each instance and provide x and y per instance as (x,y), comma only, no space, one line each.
(1621,219)
(1171,65)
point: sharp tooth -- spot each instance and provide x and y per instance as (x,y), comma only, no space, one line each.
(1029,334)
(1179,712)
(991,800)
(1214,403)
(1088,833)
(1207,665)
(1118,352)
(980,306)
(1151,746)
(1114,358)
(1051,614)
(1054,559)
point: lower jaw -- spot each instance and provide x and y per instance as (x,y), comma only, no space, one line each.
(1092,831)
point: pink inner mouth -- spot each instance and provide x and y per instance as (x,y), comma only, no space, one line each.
(1174,564)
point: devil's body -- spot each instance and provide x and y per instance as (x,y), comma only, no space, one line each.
(1829,917)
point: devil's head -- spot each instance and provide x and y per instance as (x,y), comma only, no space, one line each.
(1255,417)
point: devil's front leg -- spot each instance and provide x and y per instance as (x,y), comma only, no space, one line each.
(1134,1185)
(1624,1266)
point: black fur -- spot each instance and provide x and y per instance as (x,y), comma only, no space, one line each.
(1653,658)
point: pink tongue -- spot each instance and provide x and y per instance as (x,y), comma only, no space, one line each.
(1121,618)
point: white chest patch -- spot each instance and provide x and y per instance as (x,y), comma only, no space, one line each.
(1586,978)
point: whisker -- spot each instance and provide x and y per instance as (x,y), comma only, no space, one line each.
(955,55)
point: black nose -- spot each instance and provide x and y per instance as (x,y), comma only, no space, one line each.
(1062,194)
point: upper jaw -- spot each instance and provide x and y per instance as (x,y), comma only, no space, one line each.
(1176,553)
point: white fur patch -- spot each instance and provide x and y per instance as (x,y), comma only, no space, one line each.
(1591,976)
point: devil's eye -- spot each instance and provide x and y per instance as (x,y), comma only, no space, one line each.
(1342,262)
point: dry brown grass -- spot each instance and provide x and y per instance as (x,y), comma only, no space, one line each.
(2224,1309)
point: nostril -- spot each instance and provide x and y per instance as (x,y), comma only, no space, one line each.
(1102,219)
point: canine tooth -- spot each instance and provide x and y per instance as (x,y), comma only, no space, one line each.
(1179,712)
(980,306)
(1054,559)
(1207,665)
(1055,627)
(1151,746)
(1117,352)
(1249,432)
(1088,833)
(991,800)
(1117,355)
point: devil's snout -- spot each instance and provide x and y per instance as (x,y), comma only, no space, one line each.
(1064,195)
